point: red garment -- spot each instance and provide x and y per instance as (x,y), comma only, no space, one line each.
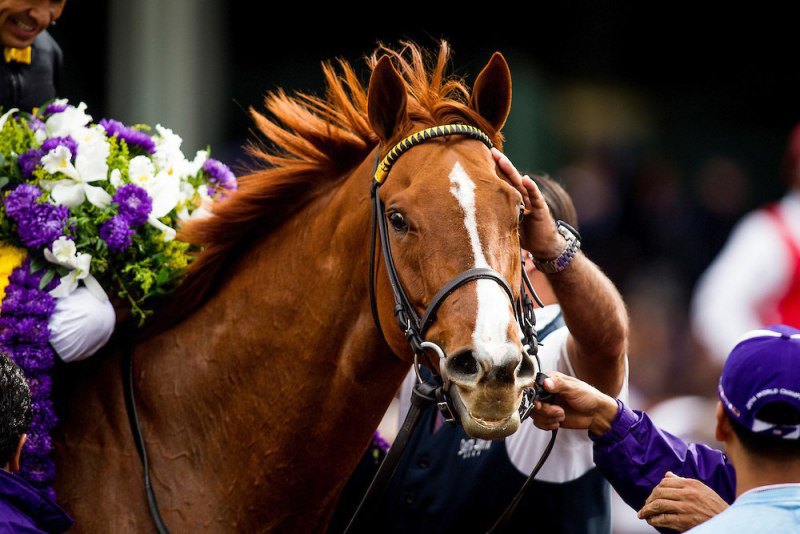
(787,310)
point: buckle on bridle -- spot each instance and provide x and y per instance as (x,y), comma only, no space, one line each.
(443,404)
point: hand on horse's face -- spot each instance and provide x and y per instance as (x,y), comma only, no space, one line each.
(538,232)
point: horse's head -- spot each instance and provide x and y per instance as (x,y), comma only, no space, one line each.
(449,211)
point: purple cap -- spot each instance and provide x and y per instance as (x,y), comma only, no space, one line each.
(764,367)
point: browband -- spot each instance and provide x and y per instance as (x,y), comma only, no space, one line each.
(383,168)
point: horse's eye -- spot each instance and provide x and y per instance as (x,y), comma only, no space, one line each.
(398,222)
(521,213)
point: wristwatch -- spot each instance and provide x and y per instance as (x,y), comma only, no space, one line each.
(558,264)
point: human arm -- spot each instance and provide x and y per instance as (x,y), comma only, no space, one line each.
(631,452)
(592,307)
(679,503)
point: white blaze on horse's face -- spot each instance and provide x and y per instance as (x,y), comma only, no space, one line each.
(488,378)
(490,337)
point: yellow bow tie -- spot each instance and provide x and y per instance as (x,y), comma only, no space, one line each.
(20,55)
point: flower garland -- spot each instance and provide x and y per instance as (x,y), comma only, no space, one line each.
(88,204)
(24,337)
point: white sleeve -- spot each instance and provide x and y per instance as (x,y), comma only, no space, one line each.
(751,270)
(80,325)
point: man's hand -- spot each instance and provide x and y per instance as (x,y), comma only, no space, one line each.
(681,503)
(579,405)
(538,231)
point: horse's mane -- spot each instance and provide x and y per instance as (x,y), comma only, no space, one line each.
(312,142)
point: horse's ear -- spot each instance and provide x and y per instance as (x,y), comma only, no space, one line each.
(491,94)
(386,106)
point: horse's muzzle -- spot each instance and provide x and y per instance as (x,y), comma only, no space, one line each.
(487,392)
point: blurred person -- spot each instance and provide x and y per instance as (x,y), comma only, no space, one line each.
(448,481)
(755,279)
(22,507)
(757,418)
(32,60)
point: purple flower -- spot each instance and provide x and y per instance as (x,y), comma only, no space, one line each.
(26,340)
(23,277)
(116,232)
(42,224)
(129,135)
(38,470)
(55,142)
(21,200)
(54,108)
(29,160)
(33,359)
(20,301)
(35,124)
(134,204)
(380,443)
(39,443)
(220,176)
(41,386)
(27,330)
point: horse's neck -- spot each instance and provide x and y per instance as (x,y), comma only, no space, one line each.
(282,371)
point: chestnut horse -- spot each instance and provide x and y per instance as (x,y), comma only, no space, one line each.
(265,384)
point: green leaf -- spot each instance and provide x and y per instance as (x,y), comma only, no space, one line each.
(46,279)
(4,179)
(162,277)
(37,264)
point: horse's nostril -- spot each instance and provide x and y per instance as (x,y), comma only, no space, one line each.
(463,364)
(525,369)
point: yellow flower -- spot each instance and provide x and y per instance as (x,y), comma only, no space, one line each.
(10,259)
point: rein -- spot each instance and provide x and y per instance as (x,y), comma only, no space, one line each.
(414,327)
(138,438)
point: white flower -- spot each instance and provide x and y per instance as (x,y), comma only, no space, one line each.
(197,163)
(115,178)
(60,160)
(168,157)
(65,254)
(93,135)
(141,171)
(168,233)
(68,121)
(167,141)
(5,117)
(162,188)
(90,166)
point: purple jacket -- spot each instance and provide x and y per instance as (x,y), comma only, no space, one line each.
(634,455)
(25,509)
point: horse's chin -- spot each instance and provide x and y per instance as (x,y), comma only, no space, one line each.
(484,423)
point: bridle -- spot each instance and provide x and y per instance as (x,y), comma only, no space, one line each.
(414,328)
(411,324)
